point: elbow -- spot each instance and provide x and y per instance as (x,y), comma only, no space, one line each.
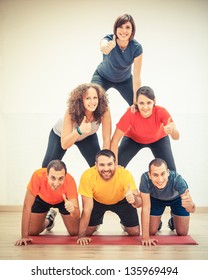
(63,146)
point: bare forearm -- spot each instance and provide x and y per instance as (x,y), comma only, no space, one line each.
(69,140)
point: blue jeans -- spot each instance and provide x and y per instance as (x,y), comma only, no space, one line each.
(125,88)
(88,147)
(160,149)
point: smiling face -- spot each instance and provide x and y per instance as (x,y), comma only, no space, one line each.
(124,32)
(106,167)
(145,105)
(90,100)
(56,178)
(159,175)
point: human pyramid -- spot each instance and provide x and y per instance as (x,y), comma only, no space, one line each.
(107,185)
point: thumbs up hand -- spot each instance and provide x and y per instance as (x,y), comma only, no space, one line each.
(68,204)
(187,201)
(129,195)
(111,44)
(85,126)
(168,128)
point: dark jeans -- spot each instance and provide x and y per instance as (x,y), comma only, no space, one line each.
(124,88)
(160,149)
(88,147)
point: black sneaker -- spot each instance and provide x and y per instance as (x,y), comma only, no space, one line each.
(160,225)
(171,224)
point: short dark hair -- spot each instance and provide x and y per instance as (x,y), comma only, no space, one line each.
(57,165)
(157,162)
(123,19)
(146,91)
(105,152)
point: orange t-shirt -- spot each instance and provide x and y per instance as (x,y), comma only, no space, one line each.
(38,185)
(144,130)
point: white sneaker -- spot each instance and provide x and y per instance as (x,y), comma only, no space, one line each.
(51,217)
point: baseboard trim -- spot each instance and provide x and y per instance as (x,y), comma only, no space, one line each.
(18,208)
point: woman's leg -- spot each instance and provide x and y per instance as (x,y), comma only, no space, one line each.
(162,149)
(126,90)
(88,148)
(127,150)
(97,79)
(54,149)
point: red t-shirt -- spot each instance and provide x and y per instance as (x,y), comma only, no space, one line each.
(38,185)
(144,130)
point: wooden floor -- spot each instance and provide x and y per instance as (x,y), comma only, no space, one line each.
(10,232)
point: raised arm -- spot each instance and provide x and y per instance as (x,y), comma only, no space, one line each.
(171,129)
(69,135)
(107,46)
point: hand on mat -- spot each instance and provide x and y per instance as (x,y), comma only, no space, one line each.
(84,240)
(68,204)
(23,241)
(129,195)
(149,241)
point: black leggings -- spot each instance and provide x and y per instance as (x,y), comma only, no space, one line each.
(125,88)
(88,148)
(160,149)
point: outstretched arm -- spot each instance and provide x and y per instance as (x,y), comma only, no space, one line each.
(107,46)
(87,204)
(137,75)
(106,129)
(118,134)
(145,221)
(28,202)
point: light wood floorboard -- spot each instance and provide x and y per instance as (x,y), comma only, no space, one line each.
(10,231)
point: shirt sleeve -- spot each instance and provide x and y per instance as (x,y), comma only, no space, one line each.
(180,184)
(125,121)
(85,187)
(164,116)
(71,188)
(34,184)
(144,183)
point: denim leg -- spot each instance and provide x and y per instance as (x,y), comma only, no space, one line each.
(88,148)
(54,149)
(162,149)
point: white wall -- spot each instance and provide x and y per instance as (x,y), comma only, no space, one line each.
(48,47)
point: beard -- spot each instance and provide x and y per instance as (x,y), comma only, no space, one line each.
(107,175)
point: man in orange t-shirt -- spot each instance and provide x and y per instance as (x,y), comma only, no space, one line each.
(49,188)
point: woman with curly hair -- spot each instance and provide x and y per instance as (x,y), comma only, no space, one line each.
(87,109)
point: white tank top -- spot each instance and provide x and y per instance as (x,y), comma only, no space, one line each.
(57,128)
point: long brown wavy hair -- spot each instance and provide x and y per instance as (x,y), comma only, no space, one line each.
(76,106)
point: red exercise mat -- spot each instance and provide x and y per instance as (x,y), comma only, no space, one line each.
(113,240)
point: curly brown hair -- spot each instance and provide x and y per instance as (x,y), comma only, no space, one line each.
(76,107)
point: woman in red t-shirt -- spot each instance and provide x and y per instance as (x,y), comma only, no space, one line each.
(150,126)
